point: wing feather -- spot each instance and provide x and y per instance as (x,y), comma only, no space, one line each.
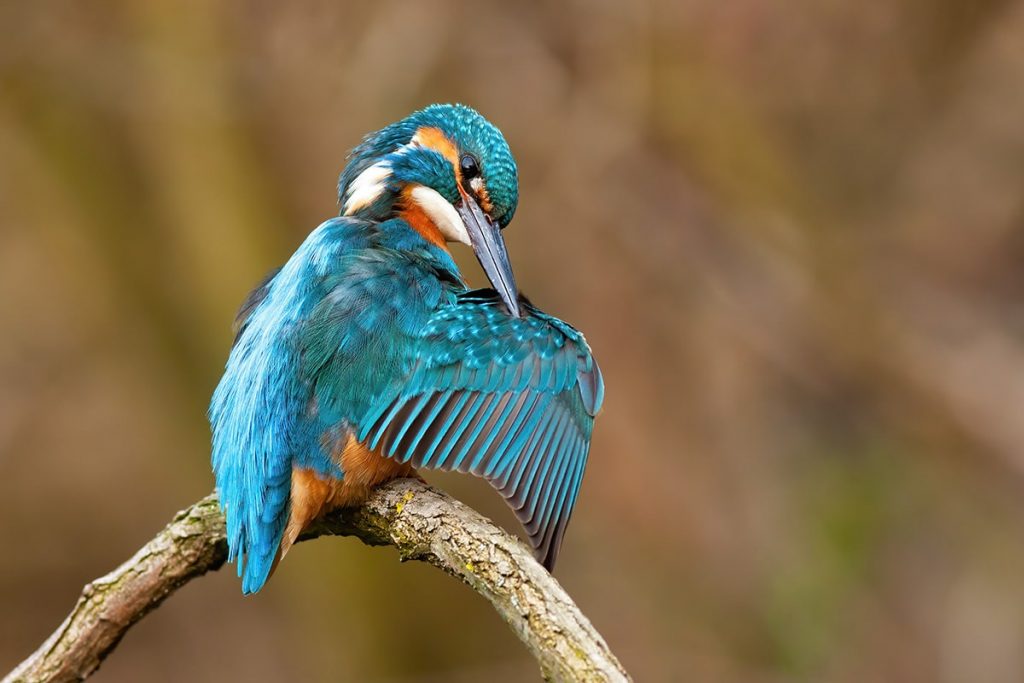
(511,400)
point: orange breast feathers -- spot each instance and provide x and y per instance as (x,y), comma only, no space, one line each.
(314,495)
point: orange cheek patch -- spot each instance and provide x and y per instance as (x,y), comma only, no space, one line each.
(415,216)
(431,137)
(435,139)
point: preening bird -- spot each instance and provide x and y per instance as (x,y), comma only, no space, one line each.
(366,355)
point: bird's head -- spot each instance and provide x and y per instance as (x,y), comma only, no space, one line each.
(450,174)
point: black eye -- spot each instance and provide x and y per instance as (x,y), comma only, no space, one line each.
(470,168)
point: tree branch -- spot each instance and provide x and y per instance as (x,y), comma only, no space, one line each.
(421,522)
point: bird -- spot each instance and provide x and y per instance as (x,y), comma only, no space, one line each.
(366,357)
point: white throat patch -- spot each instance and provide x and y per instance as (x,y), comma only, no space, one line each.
(442,213)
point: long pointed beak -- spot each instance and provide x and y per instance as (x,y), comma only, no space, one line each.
(489,247)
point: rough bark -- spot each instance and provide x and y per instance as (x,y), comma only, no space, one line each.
(421,522)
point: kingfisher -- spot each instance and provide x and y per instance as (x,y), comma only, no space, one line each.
(367,357)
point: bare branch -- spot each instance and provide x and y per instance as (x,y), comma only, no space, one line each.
(421,522)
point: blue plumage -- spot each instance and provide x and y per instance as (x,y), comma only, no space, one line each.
(369,333)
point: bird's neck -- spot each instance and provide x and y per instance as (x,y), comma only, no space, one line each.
(389,204)
(412,213)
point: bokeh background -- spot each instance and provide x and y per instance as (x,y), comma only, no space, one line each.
(792,232)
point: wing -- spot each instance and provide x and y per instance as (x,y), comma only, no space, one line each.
(508,399)
(252,301)
(255,412)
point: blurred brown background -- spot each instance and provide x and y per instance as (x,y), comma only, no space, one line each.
(793,234)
